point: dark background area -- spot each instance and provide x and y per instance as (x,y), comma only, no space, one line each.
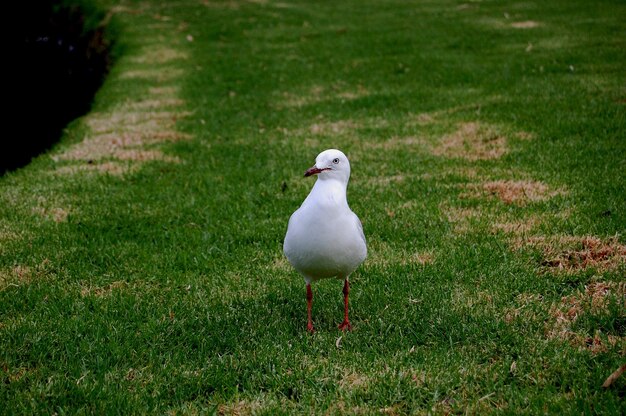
(57,60)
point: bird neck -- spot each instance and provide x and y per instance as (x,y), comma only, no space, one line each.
(330,192)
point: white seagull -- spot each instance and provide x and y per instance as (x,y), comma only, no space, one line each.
(324,237)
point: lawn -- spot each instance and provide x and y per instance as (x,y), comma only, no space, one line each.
(141,265)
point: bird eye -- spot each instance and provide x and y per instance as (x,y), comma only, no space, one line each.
(336,160)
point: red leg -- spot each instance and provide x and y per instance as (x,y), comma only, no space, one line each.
(345,325)
(309,303)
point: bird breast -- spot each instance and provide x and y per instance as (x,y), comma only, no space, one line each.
(324,248)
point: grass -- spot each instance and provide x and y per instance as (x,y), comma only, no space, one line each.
(141,266)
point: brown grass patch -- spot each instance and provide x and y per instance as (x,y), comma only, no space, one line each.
(123,119)
(19,274)
(155,104)
(332,128)
(102,291)
(281,264)
(424,118)
(523,135)
(240,408)
(140,155)
(461,218)
(427,118)
(595,300)
(160,55)
(230,4)
(318,93)
(516,227)
(111,168)
(523,310)
(352,380)
(527,24)
(513,192)
(7,233)
(422,258)
(12,375)
(472,141)
(465,299)
(570,254)
(395,143)
(169,90)
(466,172)
(103,146)
(158,75)
(352,95)
(54,214)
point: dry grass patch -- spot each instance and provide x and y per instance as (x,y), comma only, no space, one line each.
(423,119)
(395,143)
(8,233)
(55,214)
(465,172)
(322,128)
(519,227)
(111,168)
(512,192)
(340,407)
(422,258)
(140,155)
(15,276)
(594,300)
(157,75)
(351,380)
(332,128)
(460,217)
(440,116)
(240,408)
(123,120)
(103,291)
(524,135)
(318,93)
(118,139)
(525,303)
(466,300)
(21,274)
(155,104)
(12,375)
(280,264)
(118,146)
(571,254)
(166,90)
(160,55)
(472,141)
(527,24)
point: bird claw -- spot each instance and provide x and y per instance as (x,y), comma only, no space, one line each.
(345,326)
(310,328)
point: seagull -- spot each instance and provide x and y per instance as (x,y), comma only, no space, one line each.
(324,237)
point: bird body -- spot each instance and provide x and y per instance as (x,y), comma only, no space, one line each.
(324,237)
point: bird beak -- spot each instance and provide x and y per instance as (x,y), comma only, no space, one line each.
(313,171)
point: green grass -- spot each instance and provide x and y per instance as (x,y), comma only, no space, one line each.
(159,286)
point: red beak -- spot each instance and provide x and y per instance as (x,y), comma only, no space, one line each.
(314,171)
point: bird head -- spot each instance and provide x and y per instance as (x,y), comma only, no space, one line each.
(331,164)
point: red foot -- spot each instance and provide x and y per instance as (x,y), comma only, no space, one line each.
(345,326)
(310,328)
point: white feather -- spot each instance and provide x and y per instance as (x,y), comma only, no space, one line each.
(324,237)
